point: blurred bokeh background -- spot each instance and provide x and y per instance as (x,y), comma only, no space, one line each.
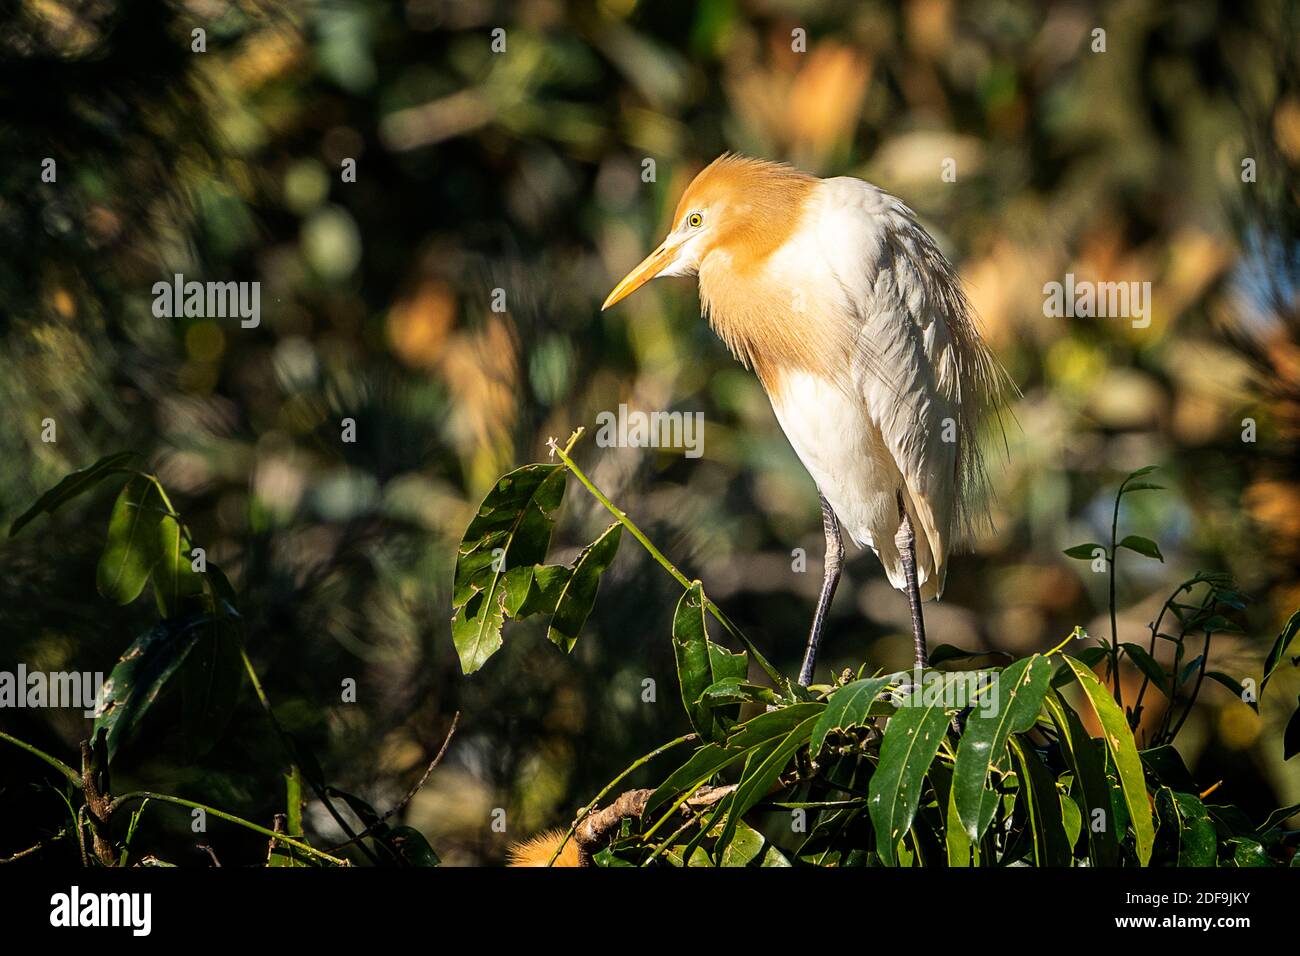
(522,171)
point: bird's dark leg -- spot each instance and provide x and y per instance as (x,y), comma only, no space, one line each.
(830,580)
(905,541)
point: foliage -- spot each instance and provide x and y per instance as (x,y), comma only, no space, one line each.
(973,767)
(194,653)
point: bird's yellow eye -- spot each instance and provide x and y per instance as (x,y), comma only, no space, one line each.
(695,220)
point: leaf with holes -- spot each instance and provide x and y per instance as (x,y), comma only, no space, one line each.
(910,743)
(1020,690)
(579,592)
(511,530)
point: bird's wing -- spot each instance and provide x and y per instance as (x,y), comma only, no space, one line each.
(918,361)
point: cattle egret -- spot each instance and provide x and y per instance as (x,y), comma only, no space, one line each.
(859,332)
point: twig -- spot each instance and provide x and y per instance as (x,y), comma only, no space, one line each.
(32,849)
(410,794)
(639,762)
(777,677)
(55,762)
(230,818)
(210,852)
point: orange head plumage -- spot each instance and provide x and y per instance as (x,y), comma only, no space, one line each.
(737,207)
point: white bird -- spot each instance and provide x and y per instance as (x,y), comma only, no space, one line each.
(859,332)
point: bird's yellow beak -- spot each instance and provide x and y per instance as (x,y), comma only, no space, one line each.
(650,267)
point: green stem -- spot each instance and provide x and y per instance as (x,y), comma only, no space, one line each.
(641,762)
(54,762)
(228,817)
(1114,624)
(293,759)
(777,677)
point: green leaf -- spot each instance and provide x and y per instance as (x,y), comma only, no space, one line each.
(956,843)
(946,652)
(733,690)
(1278,652)
(409,845)
(1119,741)
(1046,821)
(71,486)
(1020,690)
(702,765)
(748,847)
(1166,764)
(175,582)
(847,707)
(701,664)
(760,774)
(1087,762)
(512,529)
(1193,834)
(911,740)
(140,675)
(764,729)
(545,584)
(1233,685)
(1278,817)
(1247,852)
(1291,737)
(1148,666)
(1084,552)
(1143,546)
(210,680)
(131,549)
(1089,657)
(1143,486)
(579,593)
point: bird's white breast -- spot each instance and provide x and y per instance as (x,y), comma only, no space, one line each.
(867,424)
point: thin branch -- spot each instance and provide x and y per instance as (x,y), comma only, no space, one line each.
(54,762)
(410,794)
(230,818)
(777,677)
